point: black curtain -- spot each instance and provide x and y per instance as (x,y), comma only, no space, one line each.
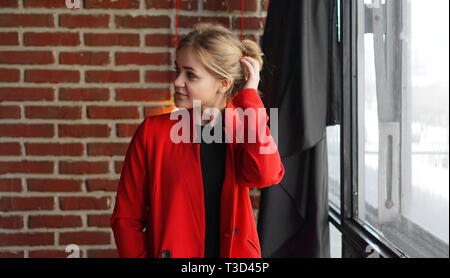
(301,78)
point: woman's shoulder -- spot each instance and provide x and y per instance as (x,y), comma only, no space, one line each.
(168,118)
(155,125)
(160,119)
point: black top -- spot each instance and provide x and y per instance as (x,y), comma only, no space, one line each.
(212,157)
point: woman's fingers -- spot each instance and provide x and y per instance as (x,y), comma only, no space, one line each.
(249,65)
(253,62)
(246,68)
(253,69)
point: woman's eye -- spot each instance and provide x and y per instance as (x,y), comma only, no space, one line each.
(190,75)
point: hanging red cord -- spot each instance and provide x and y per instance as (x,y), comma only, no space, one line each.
(176,25)
(242,20)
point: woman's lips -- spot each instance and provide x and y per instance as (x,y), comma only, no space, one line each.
(180,94)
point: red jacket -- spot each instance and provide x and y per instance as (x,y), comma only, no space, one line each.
(159,209)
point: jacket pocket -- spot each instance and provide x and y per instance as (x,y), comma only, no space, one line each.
(254,246)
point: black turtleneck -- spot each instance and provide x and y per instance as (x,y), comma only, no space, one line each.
(212,157)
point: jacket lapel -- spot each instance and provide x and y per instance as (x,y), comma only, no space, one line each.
(194,186)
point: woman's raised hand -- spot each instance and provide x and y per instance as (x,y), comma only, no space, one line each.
(252,67)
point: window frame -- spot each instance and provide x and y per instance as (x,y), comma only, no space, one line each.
(359,240)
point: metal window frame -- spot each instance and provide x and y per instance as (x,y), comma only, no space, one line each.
(359,240)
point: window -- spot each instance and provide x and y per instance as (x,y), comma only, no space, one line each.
(335,242)
(334,169)
(402,120)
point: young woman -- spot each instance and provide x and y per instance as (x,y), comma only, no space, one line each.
(191,199)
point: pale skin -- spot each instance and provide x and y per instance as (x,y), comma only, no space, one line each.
(193,82)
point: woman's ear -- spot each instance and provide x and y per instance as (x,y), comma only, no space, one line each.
(225,85)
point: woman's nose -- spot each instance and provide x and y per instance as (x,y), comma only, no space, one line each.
(178,82)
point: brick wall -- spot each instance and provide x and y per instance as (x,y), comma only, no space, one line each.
(74,85)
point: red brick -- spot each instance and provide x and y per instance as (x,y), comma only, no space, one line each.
(83,130)
(54,185)
(100,253)
(230,5)
(109,76)
(44,4)
(120,39)
(11,222)
(154,76)
(83,167)
(161,40)
(84,58)
(9,75)
(85,203)
(99,220)
(113,112)
(145,94)
(142,21)
(54,221)
(12,254)
(152,111)
(26,130)
(83,21)
(118,165)
(190,21)
(9,38)
(111,4)
(10,148)
(185,5)
(85,238)
(26,57)
(26,20)
(66,149)
(23,94)
(10,185)
(9,112)
(26,167)
(51,39)
(137,58)
(102,185)
(53,112)
(84,94)
(26,239)
(256,23)
(107,149)
(126,130)
(26,203)
(9,3)
(52,76)
(53,149)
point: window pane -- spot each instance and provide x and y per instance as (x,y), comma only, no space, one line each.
(430,117)
(335,242)
(334,162)
(403,120)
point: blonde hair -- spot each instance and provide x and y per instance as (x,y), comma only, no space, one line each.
(219,50)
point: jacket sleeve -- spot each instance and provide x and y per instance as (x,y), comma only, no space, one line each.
(259,162)
(129,218)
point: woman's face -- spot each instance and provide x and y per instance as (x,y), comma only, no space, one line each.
(193,82)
